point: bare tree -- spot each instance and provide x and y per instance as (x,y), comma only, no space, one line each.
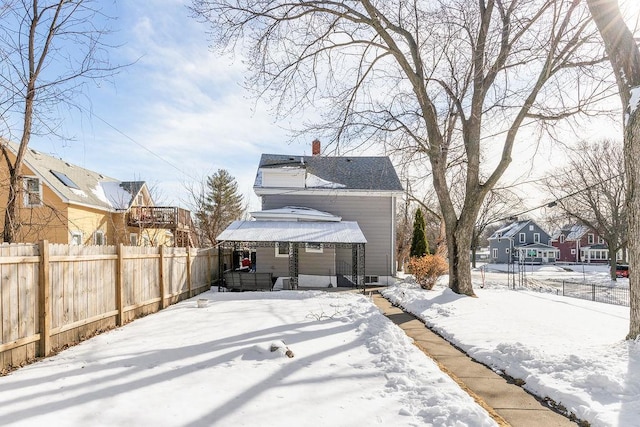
(48,49)
(624,56)
(452,80)
(592,189)
(499,204)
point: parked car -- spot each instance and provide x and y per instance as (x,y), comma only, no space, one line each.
(622,271)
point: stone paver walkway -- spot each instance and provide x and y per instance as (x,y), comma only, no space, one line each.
(507,403)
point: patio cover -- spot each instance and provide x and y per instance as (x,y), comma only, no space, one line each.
(293,231)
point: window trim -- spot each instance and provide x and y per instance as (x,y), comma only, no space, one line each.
(133,239)
(103,238)
(315,248)
(27,193)
(74,234)
(522,237)
(277,250)
(536,237)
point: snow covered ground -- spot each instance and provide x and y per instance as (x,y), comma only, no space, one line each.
(190,366)
(570,350)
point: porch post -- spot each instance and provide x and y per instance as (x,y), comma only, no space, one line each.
(293,265)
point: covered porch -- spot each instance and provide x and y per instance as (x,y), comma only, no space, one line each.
(301,252)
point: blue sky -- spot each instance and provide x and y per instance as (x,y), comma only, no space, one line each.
(176,115)
(179,112)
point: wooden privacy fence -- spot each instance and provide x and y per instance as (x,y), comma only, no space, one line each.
(52,295)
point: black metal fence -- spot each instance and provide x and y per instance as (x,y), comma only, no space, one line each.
(610,294)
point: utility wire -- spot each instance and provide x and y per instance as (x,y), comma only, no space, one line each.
(139,144)
(555,201)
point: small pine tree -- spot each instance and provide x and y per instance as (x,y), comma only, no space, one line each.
(221,204)
(419,245)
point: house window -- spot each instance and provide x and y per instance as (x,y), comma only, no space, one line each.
(600,240)
(573,251)
(523,237)
(495,253)
(32,192)
(506,250)
(562,238)
(98,238)
(531,228)
(536,237)
(140,201)
(282,249)
(313,247)
(133,239)
(76,238)
(590,238)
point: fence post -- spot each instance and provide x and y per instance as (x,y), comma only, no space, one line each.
(189,270)
(161,276)
(563,288)
(44,305)
(119,286)
(593,292)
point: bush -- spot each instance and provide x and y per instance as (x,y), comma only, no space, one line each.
(427,269)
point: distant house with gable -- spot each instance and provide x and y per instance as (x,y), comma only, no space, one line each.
(521,241)
(65,203)
(580,243)
(318,215)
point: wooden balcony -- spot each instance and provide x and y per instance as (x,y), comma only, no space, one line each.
(177,220)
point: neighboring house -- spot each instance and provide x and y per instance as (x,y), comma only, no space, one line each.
(580,243)
(321,212)
(521,241)
(64,203)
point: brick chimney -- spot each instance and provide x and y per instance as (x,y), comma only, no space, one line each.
(315,147)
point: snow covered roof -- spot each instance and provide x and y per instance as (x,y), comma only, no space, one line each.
(294,213)
(509,230)
(337,172)
(293,231)
(77,185)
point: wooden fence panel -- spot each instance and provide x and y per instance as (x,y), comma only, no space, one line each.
(18,303)
(82,291)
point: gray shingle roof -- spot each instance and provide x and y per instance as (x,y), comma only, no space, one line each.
(353,173)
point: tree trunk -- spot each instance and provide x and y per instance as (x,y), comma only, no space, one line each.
(632,153)
(11,213)
(458,244)
(625,62)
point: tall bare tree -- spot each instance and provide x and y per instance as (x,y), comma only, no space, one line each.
(592,190)
(624,56)
(452,80)
(48,50)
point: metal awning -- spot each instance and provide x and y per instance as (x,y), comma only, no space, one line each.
(293,231)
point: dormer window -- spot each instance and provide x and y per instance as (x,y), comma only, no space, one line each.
(562,238)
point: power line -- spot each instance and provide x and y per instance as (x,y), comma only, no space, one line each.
(554,202)
(139,144)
